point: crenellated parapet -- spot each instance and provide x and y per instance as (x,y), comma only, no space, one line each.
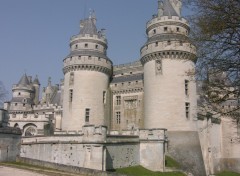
(91,62)
(156,134)
(93,133)
(46,107)
(169,54)
(168,20)
(78,42)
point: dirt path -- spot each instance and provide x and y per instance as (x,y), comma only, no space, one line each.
(9,171)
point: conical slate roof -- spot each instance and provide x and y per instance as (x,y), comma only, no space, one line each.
(168,9)
(24,80)
(36,81)
(88,27)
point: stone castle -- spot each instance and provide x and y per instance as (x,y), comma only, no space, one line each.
(104,117)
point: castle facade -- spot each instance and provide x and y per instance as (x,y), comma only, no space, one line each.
(103,116)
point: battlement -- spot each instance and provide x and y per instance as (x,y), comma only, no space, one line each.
(153,134)
(127,65)
(156,19)
(87,36)
(89,133)
(47,106)
(93,133)
(125,133)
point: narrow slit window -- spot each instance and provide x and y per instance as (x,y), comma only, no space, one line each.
(87,115)
(71,80)
(70,95)
(104,97)
(187,109)
(186,87)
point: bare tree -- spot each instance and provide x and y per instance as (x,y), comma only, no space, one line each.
(3,94)
(216,32)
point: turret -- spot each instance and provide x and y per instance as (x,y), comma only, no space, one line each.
(36,85)
(23,94)
(87,70)
(168,56)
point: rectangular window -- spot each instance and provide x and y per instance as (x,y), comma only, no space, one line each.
(187,109)
(165,29)
(118,102)
(87,115)
(86,45)
(70,95)
(186,87)
(118,117)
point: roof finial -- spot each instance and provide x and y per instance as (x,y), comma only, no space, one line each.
(92,15)
(49,81)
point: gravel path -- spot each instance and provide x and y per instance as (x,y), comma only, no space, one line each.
(9,171)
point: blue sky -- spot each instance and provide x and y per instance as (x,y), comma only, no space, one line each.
(34,34)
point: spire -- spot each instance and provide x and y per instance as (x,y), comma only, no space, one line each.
(88,25)
(49,82)
(170,8)
(36,81)
(24,80)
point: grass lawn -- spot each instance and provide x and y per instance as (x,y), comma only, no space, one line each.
(227,173)
(171,162)
(141,171)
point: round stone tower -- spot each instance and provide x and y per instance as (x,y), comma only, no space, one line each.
(87,71)
(23,94)
(168,56)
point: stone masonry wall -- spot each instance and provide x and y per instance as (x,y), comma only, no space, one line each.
(9,144)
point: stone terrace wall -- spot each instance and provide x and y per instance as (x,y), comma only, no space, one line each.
(10,139)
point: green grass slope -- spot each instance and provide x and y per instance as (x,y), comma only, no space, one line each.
(141,171)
